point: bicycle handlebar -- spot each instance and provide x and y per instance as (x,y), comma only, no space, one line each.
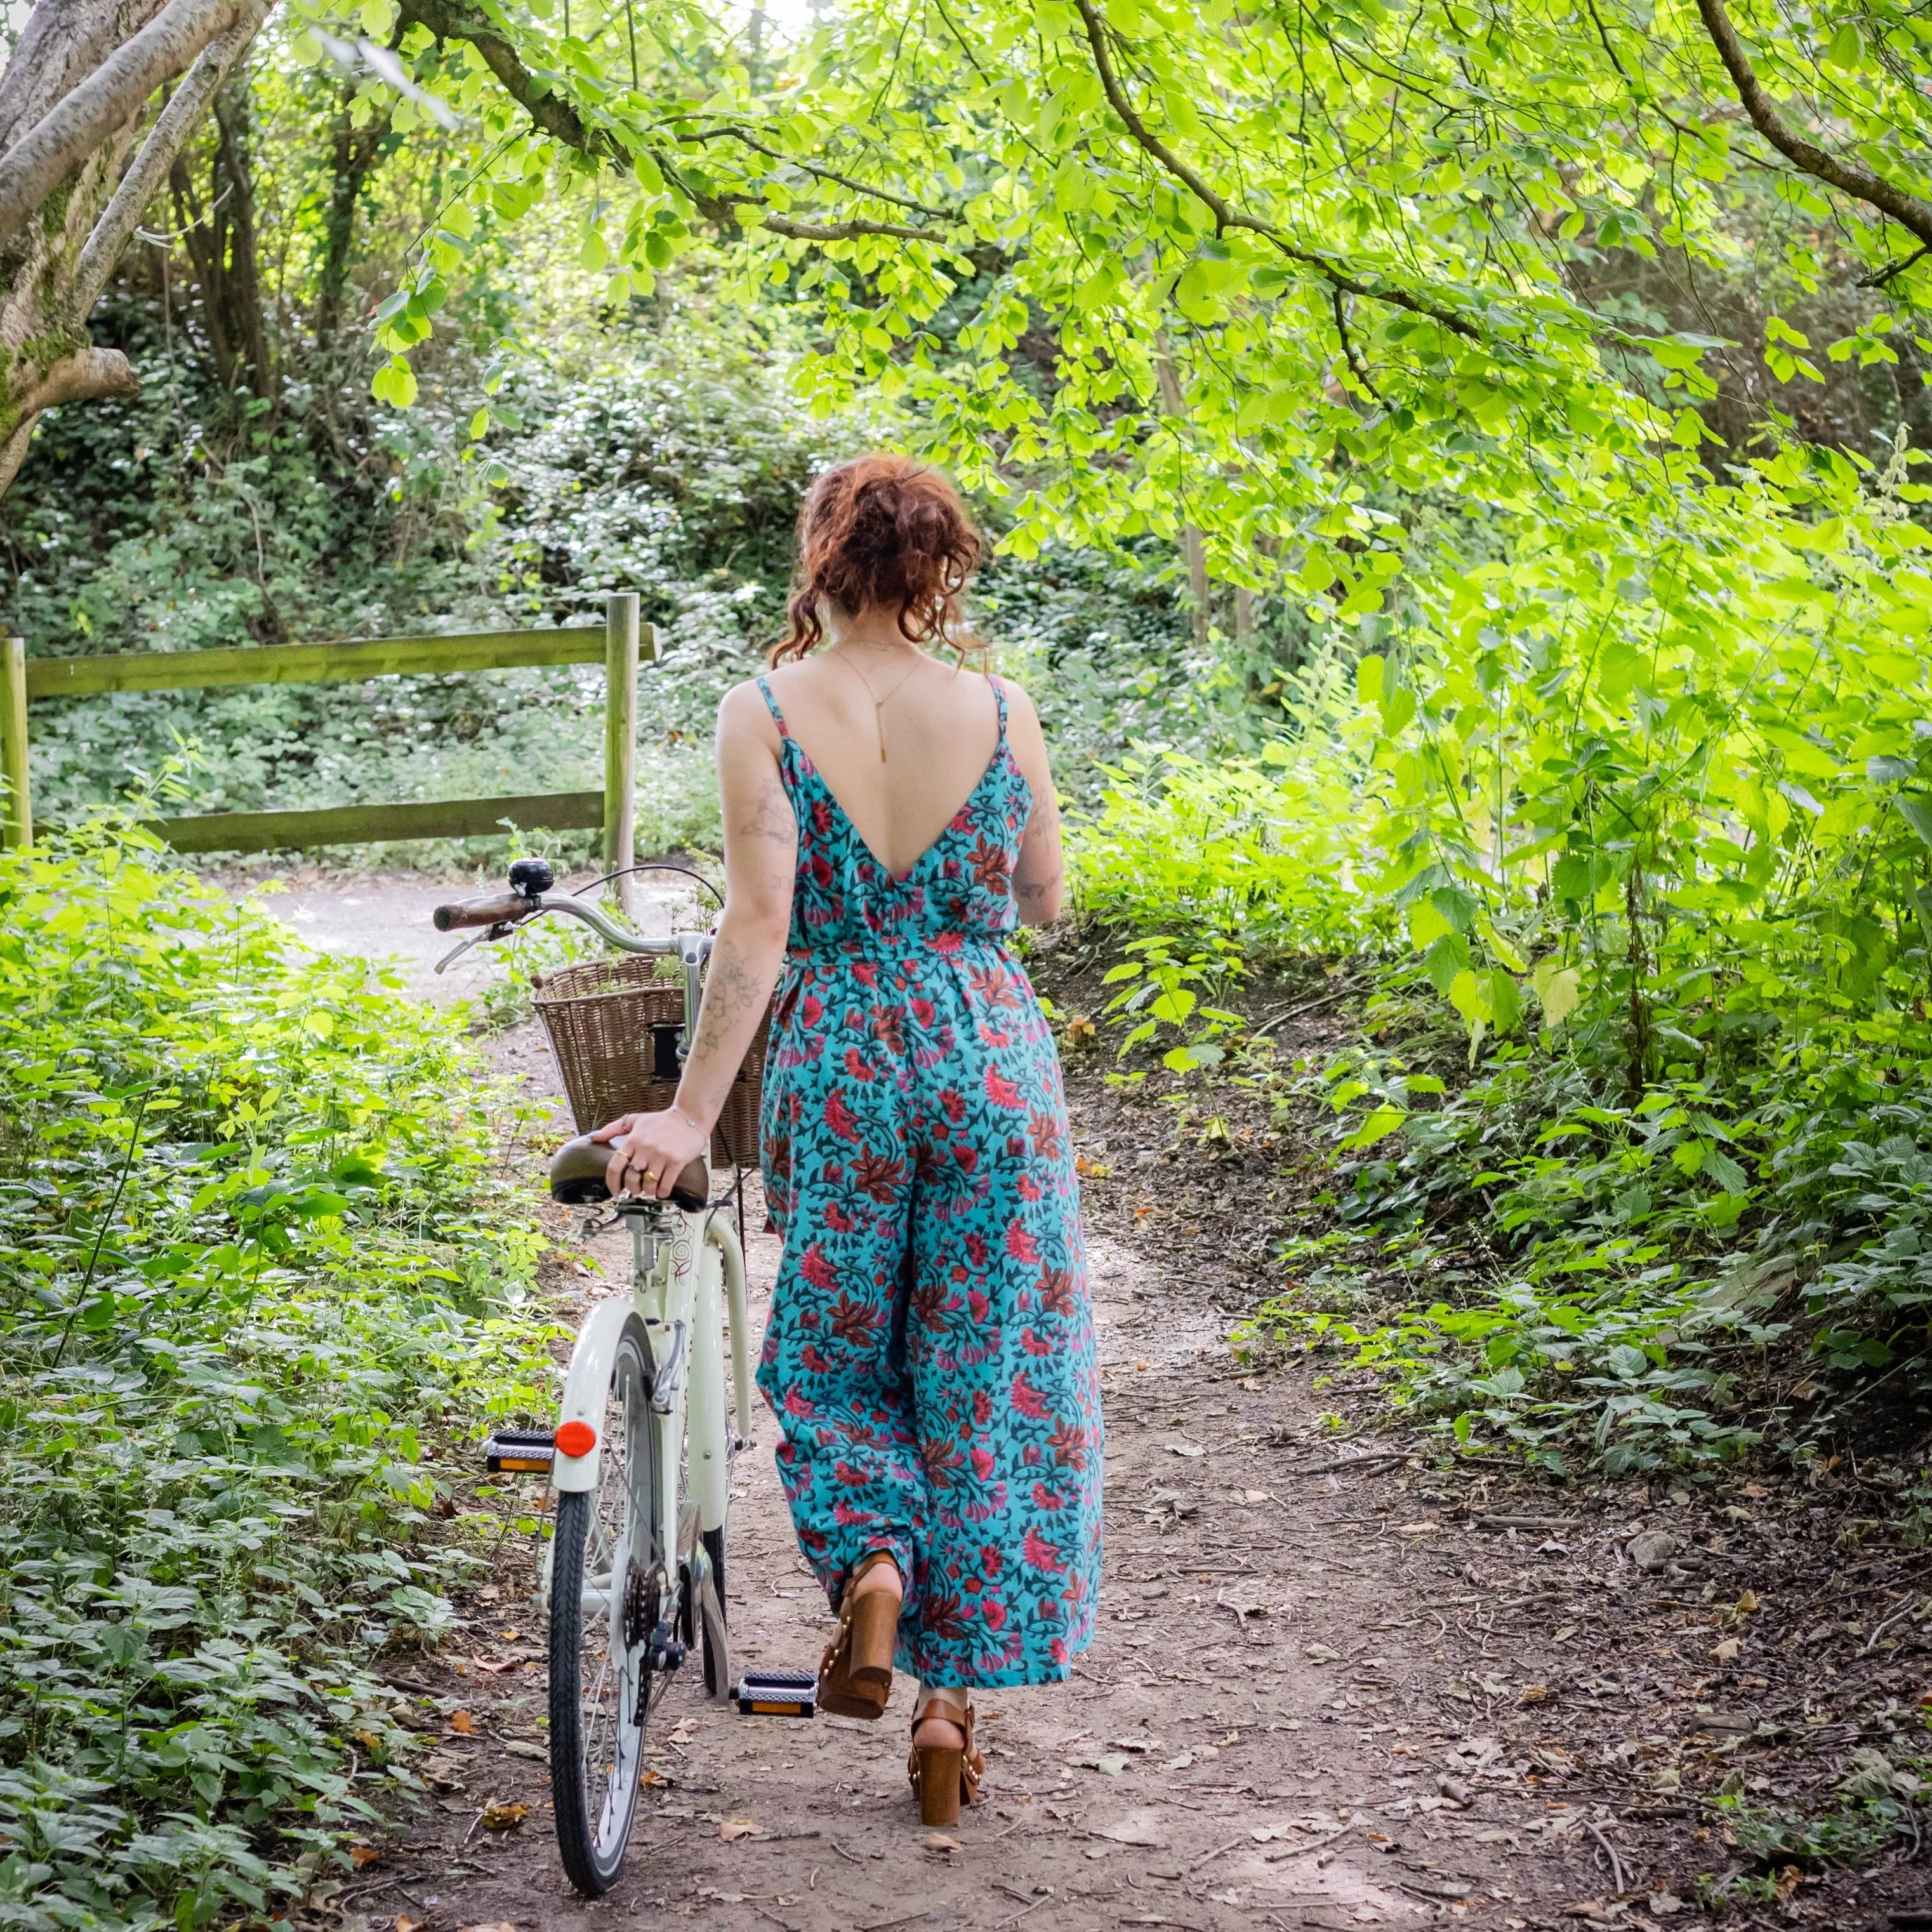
(513,908)
(492,911)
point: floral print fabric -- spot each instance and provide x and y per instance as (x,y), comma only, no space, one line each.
(929,1355)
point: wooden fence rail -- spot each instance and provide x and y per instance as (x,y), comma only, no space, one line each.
(619,647)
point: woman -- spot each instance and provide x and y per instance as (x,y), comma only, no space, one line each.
(930,1351)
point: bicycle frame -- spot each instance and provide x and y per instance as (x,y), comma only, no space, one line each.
(680,1263)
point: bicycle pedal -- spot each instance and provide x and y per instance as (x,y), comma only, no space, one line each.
(776,1694)
(523,1452)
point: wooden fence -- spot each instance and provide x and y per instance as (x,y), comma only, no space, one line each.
(619,647)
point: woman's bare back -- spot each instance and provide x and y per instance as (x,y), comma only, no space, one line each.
(939,726)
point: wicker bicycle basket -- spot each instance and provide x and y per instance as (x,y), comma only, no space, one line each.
(613,1028)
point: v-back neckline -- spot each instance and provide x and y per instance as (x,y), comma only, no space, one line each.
(864,843)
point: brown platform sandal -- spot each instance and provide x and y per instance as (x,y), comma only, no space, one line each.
(945,1776)
(855,1675)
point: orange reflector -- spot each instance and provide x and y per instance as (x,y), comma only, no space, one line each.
(577,1438)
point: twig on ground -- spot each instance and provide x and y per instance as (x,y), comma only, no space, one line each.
(1211,1856)
(1352,1463)
(1617,1877)
(1313,1844)
(1905,1609)
(1023,1911)
(854,1856)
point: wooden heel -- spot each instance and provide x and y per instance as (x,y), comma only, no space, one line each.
(939,1780)
(855,1675)
(944,1776)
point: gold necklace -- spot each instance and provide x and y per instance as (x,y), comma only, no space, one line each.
(878,703)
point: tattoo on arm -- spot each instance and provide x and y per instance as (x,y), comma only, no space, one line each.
(771,817)
(731,990)
(1037,888)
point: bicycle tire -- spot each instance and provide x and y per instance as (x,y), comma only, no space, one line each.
(601,1613)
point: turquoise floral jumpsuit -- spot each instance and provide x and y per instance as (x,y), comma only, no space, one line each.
(930,1351)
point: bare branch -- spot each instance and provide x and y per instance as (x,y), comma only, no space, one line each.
(830,231)
(108,99)
(170,134)
(1226,215)
(1355,362)
(1907,210)
(84,376)
(824,174)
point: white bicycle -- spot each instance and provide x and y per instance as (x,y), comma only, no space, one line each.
(633,1576)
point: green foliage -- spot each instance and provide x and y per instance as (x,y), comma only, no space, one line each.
(256,1269)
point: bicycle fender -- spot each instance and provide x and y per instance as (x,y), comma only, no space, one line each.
(586,1388)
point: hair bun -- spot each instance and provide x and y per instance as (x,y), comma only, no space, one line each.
(881,530)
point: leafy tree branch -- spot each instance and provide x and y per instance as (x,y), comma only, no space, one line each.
(1854,178)
(1225,213)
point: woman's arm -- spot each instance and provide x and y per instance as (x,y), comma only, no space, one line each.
(1040,876)
(760,858)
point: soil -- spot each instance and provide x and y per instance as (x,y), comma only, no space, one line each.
(1343,1677)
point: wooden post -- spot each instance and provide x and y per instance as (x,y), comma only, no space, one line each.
(16,811)
(620,737)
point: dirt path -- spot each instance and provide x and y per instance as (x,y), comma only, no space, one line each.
(1336,1685)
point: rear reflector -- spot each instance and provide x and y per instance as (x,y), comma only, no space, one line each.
(577,1438)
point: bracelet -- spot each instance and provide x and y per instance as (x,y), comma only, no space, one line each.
(675,1109)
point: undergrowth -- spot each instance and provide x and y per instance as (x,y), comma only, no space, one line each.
(255,1267)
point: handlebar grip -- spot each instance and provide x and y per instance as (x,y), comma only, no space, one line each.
(491,911)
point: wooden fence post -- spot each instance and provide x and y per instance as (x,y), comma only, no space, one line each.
(16,812)
(620,738)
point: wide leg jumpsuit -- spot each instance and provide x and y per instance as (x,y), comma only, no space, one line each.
(930,1351)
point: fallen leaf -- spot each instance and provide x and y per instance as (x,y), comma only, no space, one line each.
(655,1780)
(1415,1528)
(732,1829)
(360,1855)
(503,1817)
(444,1774)
(940,1842)
(405,1924)
(522,1747)
(462,1724)
(1664,1903)
(1726,1652)
(1186,1449)
(1320,1653)
(1080,1028)
(1112,1765)
(1566,1633)
(1094,1170)
(1257,1496)
(1747,1603)
(499,1925)
(1180,1763)
(1536,1693)
(683,1731)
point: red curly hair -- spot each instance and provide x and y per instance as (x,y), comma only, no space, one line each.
(881,530)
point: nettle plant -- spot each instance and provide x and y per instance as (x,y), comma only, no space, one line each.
(256,1271)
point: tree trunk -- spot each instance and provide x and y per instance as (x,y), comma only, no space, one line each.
(357,151)
(72,100)
(1191,545)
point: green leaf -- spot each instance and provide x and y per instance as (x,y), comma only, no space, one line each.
(1917,813)
(1378,1126)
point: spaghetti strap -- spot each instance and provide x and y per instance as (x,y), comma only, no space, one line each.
(999,698)
(777,716)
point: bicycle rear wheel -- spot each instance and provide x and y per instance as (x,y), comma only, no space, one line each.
(604,1606)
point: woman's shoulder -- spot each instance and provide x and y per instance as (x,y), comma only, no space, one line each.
(747,706)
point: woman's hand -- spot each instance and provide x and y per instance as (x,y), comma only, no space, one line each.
(649,1151)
